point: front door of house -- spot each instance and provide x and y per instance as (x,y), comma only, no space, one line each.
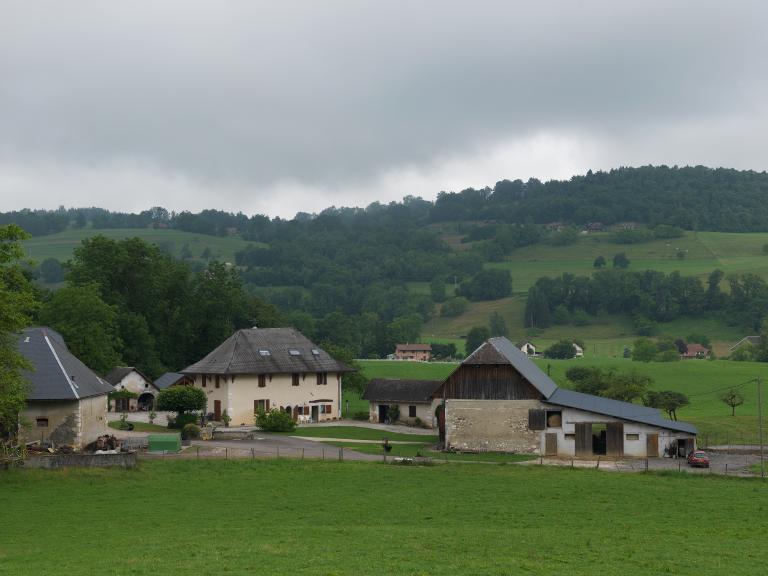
(217,410)
(315,413)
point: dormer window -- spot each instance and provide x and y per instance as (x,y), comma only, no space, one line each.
(315,352)
(264,353)
(294,352)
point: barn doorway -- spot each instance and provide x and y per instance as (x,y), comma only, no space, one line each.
(383,409)
(599,439)
(146,402)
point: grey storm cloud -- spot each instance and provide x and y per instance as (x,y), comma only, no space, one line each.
(244,96)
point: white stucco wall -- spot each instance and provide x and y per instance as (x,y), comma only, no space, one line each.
(135,382)
(237,397)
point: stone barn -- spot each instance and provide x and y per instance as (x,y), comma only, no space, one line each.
(499,400)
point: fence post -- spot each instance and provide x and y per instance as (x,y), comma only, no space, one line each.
(679,465)
(198,452)
(278,450)
(646,464)
(226,453)
(541,460)
(571,462)
(302,454)
(323,453)
(598,462)
(726,468)
(253,454)
(341,454)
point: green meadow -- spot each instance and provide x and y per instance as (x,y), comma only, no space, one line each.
(62,244)
(353,518)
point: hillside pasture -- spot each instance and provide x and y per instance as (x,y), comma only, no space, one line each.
(352,518)
(62,244)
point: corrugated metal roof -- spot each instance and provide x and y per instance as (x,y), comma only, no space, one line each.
(266,351)
(538,379)
(168,379)
(617,409)
(385,390)
(57,374)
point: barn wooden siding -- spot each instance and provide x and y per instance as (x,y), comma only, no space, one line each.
(488,382)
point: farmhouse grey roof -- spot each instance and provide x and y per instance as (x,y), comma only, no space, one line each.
(507,353)
(511,355)
(116,375)
(168,379)
(383,390)
(57,374)
(267,351)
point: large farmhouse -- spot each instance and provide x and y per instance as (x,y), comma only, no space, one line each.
(269,368)
(67,402)
(499,400)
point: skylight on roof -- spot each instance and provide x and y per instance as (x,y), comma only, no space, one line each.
(264,353)
(294,352)
(315,352)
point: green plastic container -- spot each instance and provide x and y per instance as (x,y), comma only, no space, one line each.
(164,442)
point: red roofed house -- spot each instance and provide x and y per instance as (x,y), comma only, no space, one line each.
(421,352)
(695,351)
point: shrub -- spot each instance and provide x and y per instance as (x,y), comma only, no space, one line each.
(562,349)
(190,431)
(455,307)
(181,399)
(393,412)
(182,420)
(361,415)
(275,420)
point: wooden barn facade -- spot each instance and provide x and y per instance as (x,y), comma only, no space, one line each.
(499,400)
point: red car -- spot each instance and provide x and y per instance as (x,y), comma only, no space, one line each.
(698,459)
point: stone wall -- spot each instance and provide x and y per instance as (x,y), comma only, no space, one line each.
(493,425)
(122,460)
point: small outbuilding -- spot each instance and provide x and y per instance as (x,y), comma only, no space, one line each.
(414,400)
(133,380)
(67,401)
(499,400)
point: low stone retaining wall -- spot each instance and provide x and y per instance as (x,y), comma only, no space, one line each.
(123,460)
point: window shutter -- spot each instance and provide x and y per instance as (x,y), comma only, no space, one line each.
(536,419)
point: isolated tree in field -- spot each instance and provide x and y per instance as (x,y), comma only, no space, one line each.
(181,399)
(17,303)
(497,325)
(620,260)
(475,337)
(667,400)
(599,262)
(732,398)
(644,350)
(455,307)
(627,386)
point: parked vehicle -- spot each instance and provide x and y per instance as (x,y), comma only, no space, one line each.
(698,459)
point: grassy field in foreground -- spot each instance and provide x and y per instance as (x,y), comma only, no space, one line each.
(61,245)
(279,517)
(141,426)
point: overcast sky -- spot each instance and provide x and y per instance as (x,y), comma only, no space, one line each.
(278,107)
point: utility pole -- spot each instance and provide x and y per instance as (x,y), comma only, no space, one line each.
(760,419)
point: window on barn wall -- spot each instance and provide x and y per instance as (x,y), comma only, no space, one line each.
(411,411)
(570,436)
(633,436)
(536,419)
(554,419)
(42,422)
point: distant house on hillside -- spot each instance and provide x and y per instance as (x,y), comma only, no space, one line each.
(695,350)
(422,352)
(67,401)
(413,398)
(265,368)
(131,379)
(528,348)
(579,350)
(751,340)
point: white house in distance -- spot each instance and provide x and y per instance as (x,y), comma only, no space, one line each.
(499,400)
(67,401)
(269,368)
(527,348)
(131,379)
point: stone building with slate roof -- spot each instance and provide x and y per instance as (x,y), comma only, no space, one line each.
(67,401)
(269,368)
(413,398)
(499,400)
(132,379)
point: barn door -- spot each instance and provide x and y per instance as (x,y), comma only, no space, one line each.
(652,445)
(550,444)
(583,439)
(615,439)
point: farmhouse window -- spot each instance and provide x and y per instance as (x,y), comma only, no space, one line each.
(411,411)
(205,381)
(262,380)
(554,419)
(42,422)
(633,436)
(322,378)
(570,436)
(122,404)
(260,405)
(295,379)
(325,409)
(217,381)
(536,419)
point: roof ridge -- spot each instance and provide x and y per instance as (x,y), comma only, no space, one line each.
(234,346)
(61,366)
